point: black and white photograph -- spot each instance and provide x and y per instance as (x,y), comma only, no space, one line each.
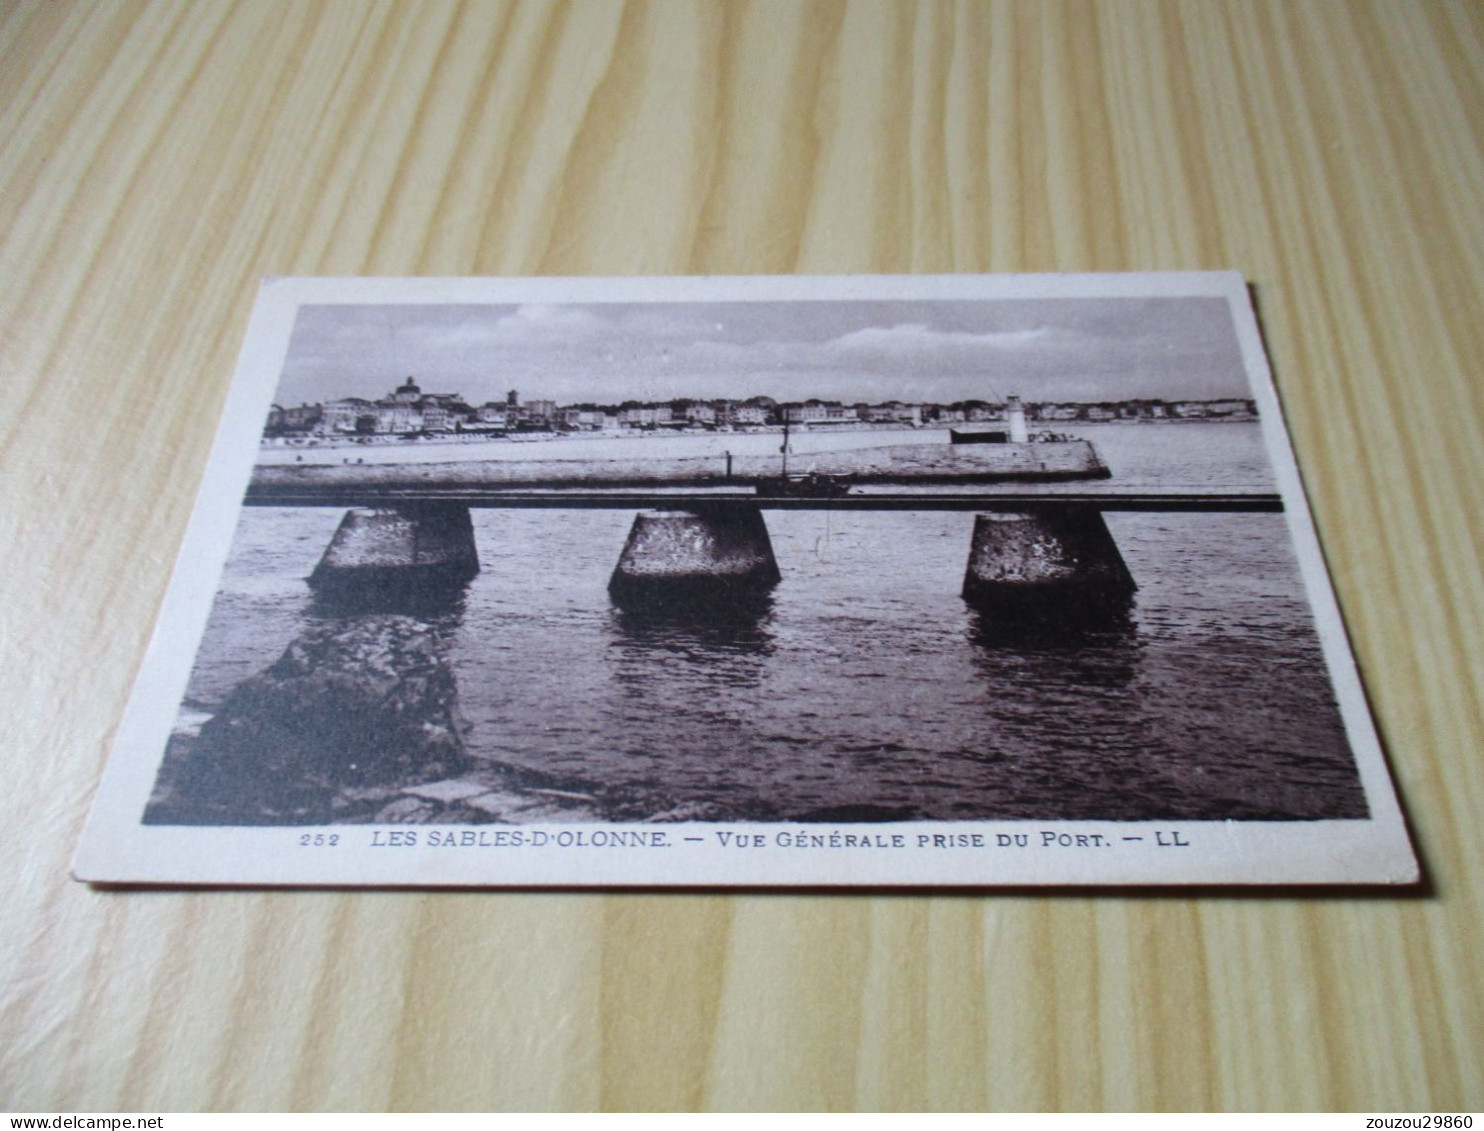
(756,581)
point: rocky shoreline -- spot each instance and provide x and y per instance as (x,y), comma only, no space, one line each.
(357,722)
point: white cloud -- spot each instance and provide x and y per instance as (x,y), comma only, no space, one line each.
(917,340)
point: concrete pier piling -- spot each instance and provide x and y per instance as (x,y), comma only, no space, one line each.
(1057,564)
(395,554)
(714,554)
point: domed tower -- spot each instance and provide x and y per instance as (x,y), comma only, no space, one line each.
(407,392)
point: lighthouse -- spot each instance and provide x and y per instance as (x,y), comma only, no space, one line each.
(1015,414)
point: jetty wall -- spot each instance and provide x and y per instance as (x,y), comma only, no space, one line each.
(899,464)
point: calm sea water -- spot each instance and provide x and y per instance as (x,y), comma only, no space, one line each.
(866,687)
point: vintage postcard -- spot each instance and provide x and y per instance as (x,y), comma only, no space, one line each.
(857,581)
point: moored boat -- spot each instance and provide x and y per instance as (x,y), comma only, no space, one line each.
(811,486)
(967,436)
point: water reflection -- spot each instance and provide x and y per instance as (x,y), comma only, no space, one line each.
(1069,702)
(1100,654)
(679,719)
(1058,626)
(738,621)
(434,599)
(724,641)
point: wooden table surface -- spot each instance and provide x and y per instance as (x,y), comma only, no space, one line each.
(157,159)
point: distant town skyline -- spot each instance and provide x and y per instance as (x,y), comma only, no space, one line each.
(1063,350)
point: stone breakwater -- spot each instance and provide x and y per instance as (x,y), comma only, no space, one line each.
(897,464)
(351,706)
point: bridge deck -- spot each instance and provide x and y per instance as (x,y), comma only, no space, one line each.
(1001,501)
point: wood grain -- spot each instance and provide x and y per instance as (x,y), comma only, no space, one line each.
(157,159)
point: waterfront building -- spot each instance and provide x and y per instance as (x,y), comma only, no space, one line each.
(301,419)
(645,416)
(816,412)
(1231,408)
(744,413)
(438,418)
(444,412)
(539,411)
(343,414)
(398,416)
(1228,409)
(890,412)
(584,419)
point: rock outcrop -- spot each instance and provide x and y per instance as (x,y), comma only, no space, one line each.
(353,707)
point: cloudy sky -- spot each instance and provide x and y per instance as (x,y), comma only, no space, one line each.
(942,351)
